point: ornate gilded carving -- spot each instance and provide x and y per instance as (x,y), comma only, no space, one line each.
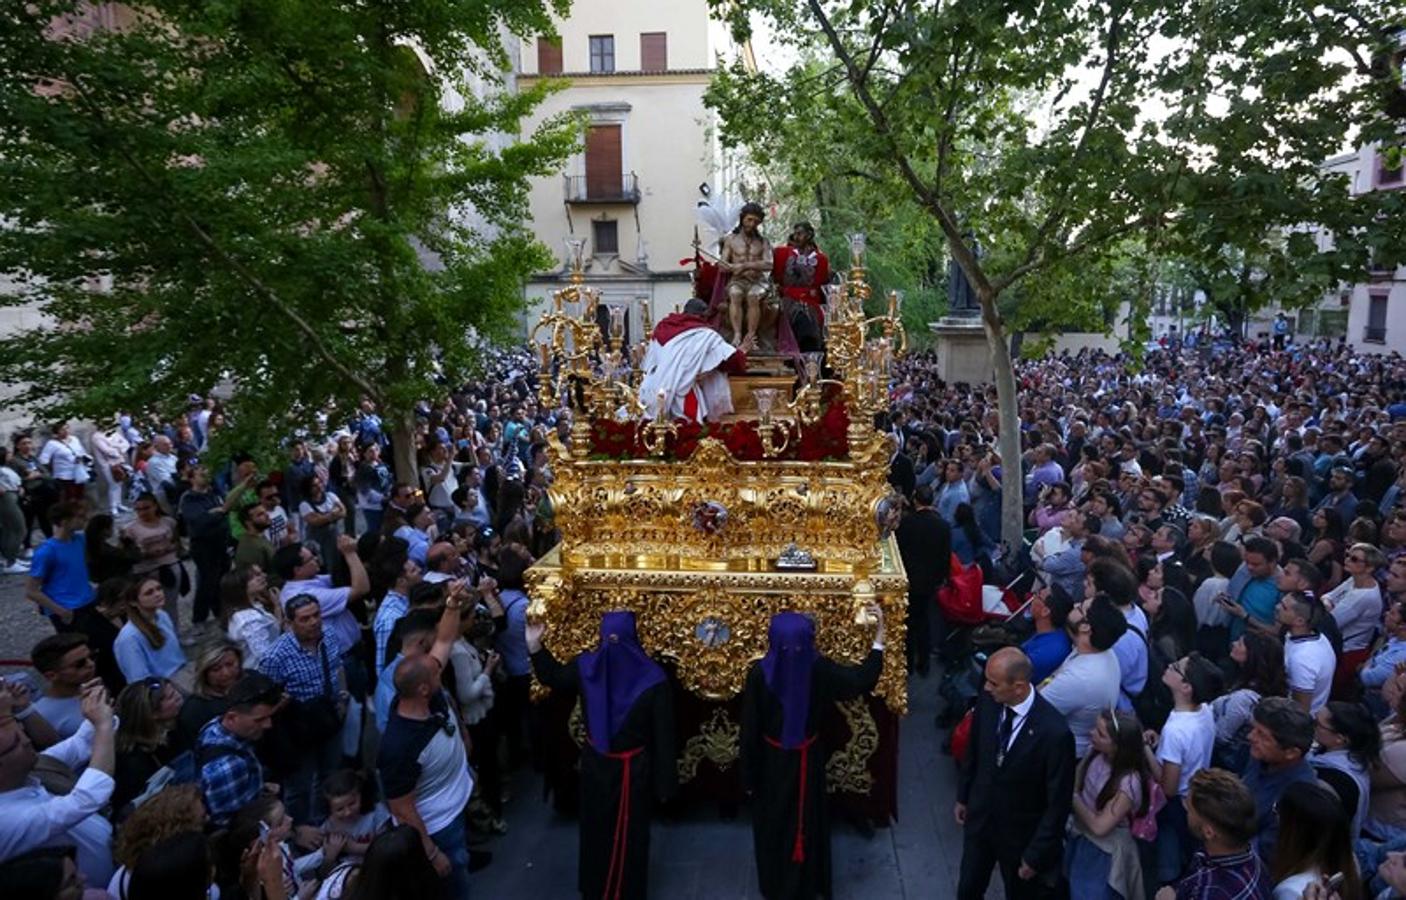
(716,741)
(705,595)
(671,604)
(576,724)
(847,770)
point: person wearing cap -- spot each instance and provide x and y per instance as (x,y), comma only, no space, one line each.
(30,816)
(627,762)
(1280,737)
(783,758)
(229,772)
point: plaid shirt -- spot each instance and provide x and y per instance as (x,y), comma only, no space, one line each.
(230,774)
(300,672)
(392,609)
(1235,876)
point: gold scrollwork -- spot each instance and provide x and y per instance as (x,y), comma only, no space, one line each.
(847,771)
(716,741)
(576,724)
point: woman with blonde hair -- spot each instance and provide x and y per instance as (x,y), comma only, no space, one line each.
(1356,607)
(146,715)
(217,668)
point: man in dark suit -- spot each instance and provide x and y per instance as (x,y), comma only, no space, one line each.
(902,476)
(1016,785)
(925,545)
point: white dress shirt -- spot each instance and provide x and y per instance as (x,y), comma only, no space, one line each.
(31,817)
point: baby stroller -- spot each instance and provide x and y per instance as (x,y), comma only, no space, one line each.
(981,618)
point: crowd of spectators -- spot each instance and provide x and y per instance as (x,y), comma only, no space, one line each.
(1216,543)
(354,639)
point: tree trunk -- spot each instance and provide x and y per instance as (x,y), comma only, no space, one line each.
(1008,440)
(405,460)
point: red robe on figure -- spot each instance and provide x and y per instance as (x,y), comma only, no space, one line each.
(800,274)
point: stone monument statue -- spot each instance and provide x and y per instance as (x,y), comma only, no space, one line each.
(961,298)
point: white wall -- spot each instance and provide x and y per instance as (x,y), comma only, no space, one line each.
(690,41)
(668,140)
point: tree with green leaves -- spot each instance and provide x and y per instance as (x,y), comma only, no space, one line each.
(301,202)
(1056,133)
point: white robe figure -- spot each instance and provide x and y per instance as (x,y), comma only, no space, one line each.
(685,364)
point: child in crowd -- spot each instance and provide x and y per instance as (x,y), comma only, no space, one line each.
(349,827)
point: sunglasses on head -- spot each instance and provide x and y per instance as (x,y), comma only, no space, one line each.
(299,602)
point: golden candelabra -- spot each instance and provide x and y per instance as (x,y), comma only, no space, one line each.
(696,546)
(587,367)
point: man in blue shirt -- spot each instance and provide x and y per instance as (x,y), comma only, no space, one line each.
(1253,589)
(307,662)
(1280,738)
(1049,645)
(58,574)
(230,774)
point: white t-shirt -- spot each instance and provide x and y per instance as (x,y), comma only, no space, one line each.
(1082,687)
(1187,740)
(64,459)
(1357,612)
(1292,888)
(278,526)
(1309,661)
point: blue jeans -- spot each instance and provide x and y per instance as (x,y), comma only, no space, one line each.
(1088,868)
(453,841)
(1174,842)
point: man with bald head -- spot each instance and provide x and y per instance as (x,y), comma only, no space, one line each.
(1016,785)
(423,763)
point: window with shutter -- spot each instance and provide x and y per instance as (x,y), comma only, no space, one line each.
(605,236)
(1376,319)
(654,51)
(602,53)
(603,169)
(548,56)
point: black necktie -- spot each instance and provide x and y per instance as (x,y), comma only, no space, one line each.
(1003,735)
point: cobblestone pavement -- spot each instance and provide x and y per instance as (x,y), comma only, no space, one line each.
(21,626)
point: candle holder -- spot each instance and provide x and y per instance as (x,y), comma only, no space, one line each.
(858,247)
(657,432)
(768,428)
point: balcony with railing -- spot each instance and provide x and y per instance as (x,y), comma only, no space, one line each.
(624,188)
(1374,334)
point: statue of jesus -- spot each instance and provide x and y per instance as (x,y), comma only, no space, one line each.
(747,256)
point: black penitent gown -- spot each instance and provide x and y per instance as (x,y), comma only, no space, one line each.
(647,737)
(773,776)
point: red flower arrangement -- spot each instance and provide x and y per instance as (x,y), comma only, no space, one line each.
(824,440)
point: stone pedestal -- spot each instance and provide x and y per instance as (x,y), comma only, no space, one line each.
(962,351)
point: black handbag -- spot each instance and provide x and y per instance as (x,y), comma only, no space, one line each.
(320,718)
